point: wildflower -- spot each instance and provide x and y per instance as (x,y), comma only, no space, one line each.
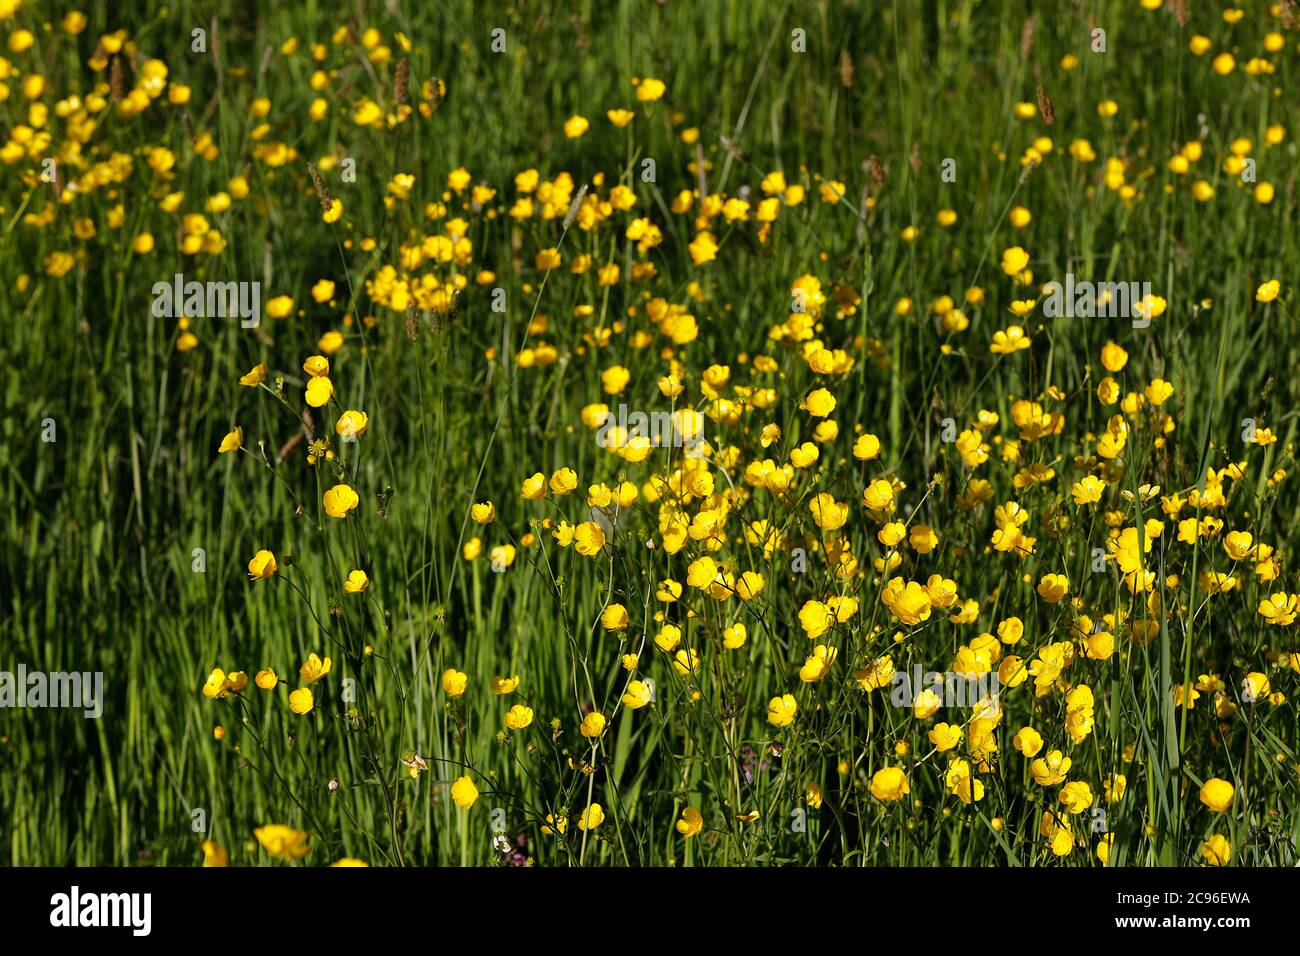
(282,841)
(781,710)
(454,682)
(254,377)
(1217,794)
(1217,851)
(614,618)
(233,441)
(214,854)
(501,686)
(313,669)
(691,823)
(339,501)
(463,792)
(262,565)
(889,785)
(637,695)
(519,716)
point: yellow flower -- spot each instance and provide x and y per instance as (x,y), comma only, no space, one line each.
(1268,291)
(818,665)
(820,403)
(335,211)
(463,792)
(910,603)
(1008,340)
(878,496)
(232,442)
(349,861)
(961,783)
(1255,686)
(266,679)
(620,117)
(357,582)
(352,424)
(534,488)
(889,784)
(637,695)
(1076,796)
(589,539)
(339,501)
(282,841)
(323,291)
(650,89)
(255,376)
(866,448)
(313,669)
(781,710)
(592,817)
(279,307)
(816,619)
(1014,260)
(21,40)
(319,391)
(483,512)
(1053,587)
(945,736)
(1028,741)
(301,701)
(1217,794)
(214,854)
(518,717)
(734,637)
(1279,608)
(614,618)
(1239,545)
(1158,392)
(503,685)
(575,126)
(593,725)
(1217,850)
(703,248)
(261,565)
(1050,770)
(1087,490)
(454,682)
(564,481)
(216,686)
(691,823)
(686,661)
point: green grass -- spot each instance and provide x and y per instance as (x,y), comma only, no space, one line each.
(96,567)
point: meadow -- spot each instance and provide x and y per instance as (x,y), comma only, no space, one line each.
(624,433)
